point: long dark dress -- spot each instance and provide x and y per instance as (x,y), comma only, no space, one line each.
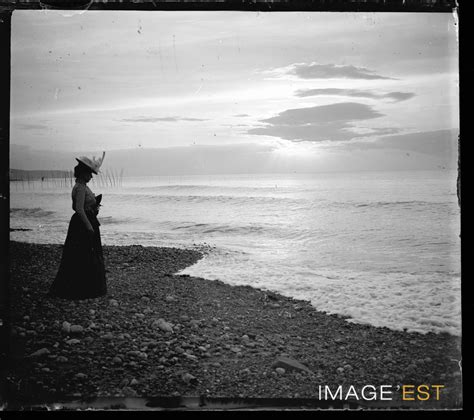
(81,274)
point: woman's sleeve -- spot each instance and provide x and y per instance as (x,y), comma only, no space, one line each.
(80,198)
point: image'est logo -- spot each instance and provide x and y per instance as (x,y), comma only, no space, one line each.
(421,392)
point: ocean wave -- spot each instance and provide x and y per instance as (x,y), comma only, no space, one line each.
(32,212)
(224,199)
(210,228)
(110,220)
(411,203)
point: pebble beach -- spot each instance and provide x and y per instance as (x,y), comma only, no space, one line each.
(161,334)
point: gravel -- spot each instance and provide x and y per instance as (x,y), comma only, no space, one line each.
(157,333)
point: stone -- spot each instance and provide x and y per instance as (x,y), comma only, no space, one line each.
(188,378)
(113,302)
(66,327)
(170,298)
(129,392)
(108,336)
(117,360)
(80,375)
(340,370)
(190,356)
(61,359)
(41,352)
(194,324)
(73,341)
(290,364)
(133,382)
(162,325)
(76,329)
(280,371)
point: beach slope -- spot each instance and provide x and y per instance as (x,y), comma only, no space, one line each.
(157,334)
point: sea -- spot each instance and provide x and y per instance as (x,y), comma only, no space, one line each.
(378,248)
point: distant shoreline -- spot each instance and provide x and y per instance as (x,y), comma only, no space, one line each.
(226,337)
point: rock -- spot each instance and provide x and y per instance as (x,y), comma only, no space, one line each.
(124,383)
(109,336)
(170,298)
(245,338)
(66,327)
(340,370)
(76,329)
(129,392)
(61,359)
(92,311)
(188,378)
(162,325)
(113,302)
(235,349)
(133,382)
(117,360)
(73,341)
(46,370)
(280,371)
(41,352)
(289,364)
(194,324)
(80,376)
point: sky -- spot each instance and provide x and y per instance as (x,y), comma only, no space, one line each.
(234,92)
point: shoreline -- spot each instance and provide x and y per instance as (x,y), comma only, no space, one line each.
(160,334)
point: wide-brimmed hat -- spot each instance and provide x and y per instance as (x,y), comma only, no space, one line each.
(94,164)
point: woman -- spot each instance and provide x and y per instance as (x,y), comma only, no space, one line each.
(81,274)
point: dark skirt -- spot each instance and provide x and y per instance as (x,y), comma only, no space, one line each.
(81,274)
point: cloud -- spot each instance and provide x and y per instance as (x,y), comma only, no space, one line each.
(159,119)
(438,143)
(357,93)
(33,127)
(321,123)
(328,71)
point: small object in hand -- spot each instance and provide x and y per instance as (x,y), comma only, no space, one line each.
(98,200)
